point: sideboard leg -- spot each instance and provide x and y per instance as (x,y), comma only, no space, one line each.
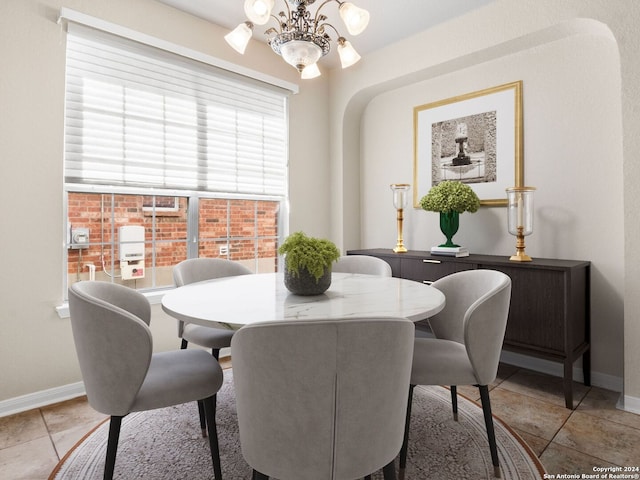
(586,367)
(568,383)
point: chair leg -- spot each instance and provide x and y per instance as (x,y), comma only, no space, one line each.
(112,446)
(203,421)
(405,440)
(258,476)
(488,420)
(454,401)
(389,471)
(210,412)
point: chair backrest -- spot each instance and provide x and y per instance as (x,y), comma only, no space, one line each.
(322,399)
(362,264)
(476,315)
(200,269)
(113,342)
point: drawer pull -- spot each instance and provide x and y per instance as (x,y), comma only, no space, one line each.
(427,282)
(426,260)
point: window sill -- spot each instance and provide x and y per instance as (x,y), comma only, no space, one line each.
(154,298)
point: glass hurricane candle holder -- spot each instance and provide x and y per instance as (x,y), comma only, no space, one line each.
(520,218)
(400,197)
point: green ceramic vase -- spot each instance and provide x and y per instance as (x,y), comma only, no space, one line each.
(449,223)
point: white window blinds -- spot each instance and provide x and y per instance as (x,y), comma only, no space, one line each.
(140,116)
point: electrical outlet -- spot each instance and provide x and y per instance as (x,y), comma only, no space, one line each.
(224,249)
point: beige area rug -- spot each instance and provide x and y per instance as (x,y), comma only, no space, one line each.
(166,444)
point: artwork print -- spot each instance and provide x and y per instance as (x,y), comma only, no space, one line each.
(474,138)
(464,149)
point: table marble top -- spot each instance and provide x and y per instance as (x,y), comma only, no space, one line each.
(236,301)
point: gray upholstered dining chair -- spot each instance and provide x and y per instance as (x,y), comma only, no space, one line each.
(469,332)
(197,270)
(121,374)
(326,399)
(362,264)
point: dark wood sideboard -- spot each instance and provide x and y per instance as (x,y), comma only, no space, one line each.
(549,315)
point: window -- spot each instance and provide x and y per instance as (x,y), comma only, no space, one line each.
(167,158)
(160,204)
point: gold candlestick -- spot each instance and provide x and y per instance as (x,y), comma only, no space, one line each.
(400,191)
(400,248)
(520,256)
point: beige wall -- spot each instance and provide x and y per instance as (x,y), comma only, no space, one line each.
(578,62)
(572,146)
(36,346)
(345,159)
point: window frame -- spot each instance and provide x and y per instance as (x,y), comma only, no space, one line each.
(67,17)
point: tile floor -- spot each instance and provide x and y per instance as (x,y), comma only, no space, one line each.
(595,434)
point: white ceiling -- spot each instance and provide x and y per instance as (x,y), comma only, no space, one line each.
(391,20)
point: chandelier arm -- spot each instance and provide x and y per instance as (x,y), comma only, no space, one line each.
(286,4)
(272,31)
(278,22)
(315,20)
(334,28)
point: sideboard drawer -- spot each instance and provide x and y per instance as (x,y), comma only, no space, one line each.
(428,270)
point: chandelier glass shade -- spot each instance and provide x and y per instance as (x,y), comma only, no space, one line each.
(258,11)
(348,54)
(239,37)
(311,71)
(356,19)
(300,49)
(300,37)
(300,53)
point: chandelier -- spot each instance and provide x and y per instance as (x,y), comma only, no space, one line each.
(301,37)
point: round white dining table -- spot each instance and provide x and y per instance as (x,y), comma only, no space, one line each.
(240,300)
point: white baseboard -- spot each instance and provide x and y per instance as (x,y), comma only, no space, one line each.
(41,399)
(609,382)
(602,380)
(53,395)
(629,404)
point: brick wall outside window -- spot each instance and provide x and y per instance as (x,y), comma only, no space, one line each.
(247,229)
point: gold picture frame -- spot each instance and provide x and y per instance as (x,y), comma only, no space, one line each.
(475,138)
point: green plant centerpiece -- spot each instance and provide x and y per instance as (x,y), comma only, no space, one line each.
(308,263)
(450,198)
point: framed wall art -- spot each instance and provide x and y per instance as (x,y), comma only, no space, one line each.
(475,138)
